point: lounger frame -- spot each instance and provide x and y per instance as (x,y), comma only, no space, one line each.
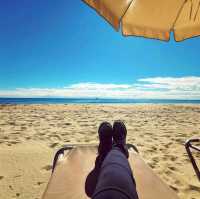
(189,145)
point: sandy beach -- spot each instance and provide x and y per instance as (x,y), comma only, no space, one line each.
(31,134)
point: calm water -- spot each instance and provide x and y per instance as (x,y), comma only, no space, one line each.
(90,101)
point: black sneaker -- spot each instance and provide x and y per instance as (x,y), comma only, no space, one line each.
(105,138)
(119,137)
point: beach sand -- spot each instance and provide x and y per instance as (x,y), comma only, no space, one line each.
(31,134)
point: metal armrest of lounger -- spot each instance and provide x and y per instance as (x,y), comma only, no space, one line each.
(190,145)
(58,153)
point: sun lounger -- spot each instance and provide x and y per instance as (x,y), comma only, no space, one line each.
(72,165)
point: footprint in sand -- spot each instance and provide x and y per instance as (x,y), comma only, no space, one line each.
(152,165)
(167,145)
(173,158)
(1,177)
(23,128)
(67,124)
(16,133)
(39,183)
(177,182)
(172,168)
(10,187)
(14,142)
(47,167)
(54,136)
(168,172)
(53,145)
(155,160)
(194,188)
(12,123)
(174,188)
(41,134)
(6,138)
(87,140)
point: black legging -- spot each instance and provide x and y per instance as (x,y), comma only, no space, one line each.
(115,179)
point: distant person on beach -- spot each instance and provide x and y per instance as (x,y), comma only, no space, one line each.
(112,176)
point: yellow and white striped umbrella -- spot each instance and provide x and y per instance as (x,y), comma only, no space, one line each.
(152,18)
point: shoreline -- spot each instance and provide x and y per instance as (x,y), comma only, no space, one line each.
(95,101)
(99,104)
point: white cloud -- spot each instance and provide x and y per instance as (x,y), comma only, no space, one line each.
(147,88)
(92,86)
(182,83)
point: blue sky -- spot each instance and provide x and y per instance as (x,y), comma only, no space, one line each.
(64,49)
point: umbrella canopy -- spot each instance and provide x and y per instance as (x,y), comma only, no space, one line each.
(152,18)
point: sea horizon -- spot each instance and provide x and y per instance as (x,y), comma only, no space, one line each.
(48,100)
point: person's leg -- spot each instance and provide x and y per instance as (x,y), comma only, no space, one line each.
(115,177)
(111,194)
(115,180)
(105,145)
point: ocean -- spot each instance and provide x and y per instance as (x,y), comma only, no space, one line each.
(92,101)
